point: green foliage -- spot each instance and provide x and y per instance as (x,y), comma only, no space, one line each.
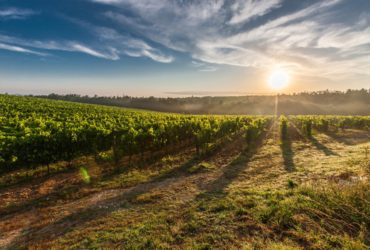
(291,184)
(39,132)
(254,129)
(203,166)
(329,122)
(85,175)
(283,128)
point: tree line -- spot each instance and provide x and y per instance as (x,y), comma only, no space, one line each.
(350,102)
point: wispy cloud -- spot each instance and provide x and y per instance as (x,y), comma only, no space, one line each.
(130,46)
(20,45)
(20,49)
(81,48)
(116,46)
(214,32)
(16,13)
(248,9)
(109,44)
(122,44)
(203,67)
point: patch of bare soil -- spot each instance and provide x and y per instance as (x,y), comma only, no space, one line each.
(35,189)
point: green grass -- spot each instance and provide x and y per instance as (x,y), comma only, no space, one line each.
(200,167)
(307,217)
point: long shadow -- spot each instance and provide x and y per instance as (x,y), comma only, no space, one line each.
(35,179)
(296,133)
(233,170)
(56,195)
(64,168)
(82,216)
(287,153)
(350,137)
(338,138)
(327,151)
(41,201)
(104,207)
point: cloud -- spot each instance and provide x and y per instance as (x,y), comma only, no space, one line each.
(81,48)
(123,44)
(69,46)
(302,39)
(174,24)
(20,49)
(203,67)
(248,9)
(16,13)
(110,45)
(117,45)
(130,46)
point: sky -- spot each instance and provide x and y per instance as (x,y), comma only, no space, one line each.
(182,47)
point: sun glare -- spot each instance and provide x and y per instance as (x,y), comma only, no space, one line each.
(278,79)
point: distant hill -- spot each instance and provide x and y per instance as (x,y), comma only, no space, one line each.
(350,102)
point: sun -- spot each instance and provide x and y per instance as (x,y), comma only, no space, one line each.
(278,79)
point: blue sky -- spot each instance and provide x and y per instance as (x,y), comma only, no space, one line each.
(174,47)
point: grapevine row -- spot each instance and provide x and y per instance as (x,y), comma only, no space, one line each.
(329,123)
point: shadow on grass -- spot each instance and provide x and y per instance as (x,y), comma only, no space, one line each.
(233,170)
(103,207)
(38,174)
(349,136)
(26,176)
(287,153)
(327,151)
(72,190)
(81,216)
(339,138)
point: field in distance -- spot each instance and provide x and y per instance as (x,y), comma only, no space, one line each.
(88,176)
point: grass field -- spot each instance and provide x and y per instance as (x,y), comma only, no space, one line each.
(300,194)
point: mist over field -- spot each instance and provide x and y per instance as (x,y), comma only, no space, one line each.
(351,102)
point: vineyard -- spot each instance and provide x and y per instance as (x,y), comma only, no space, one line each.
(150,180)
(330,123)
(35,131)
